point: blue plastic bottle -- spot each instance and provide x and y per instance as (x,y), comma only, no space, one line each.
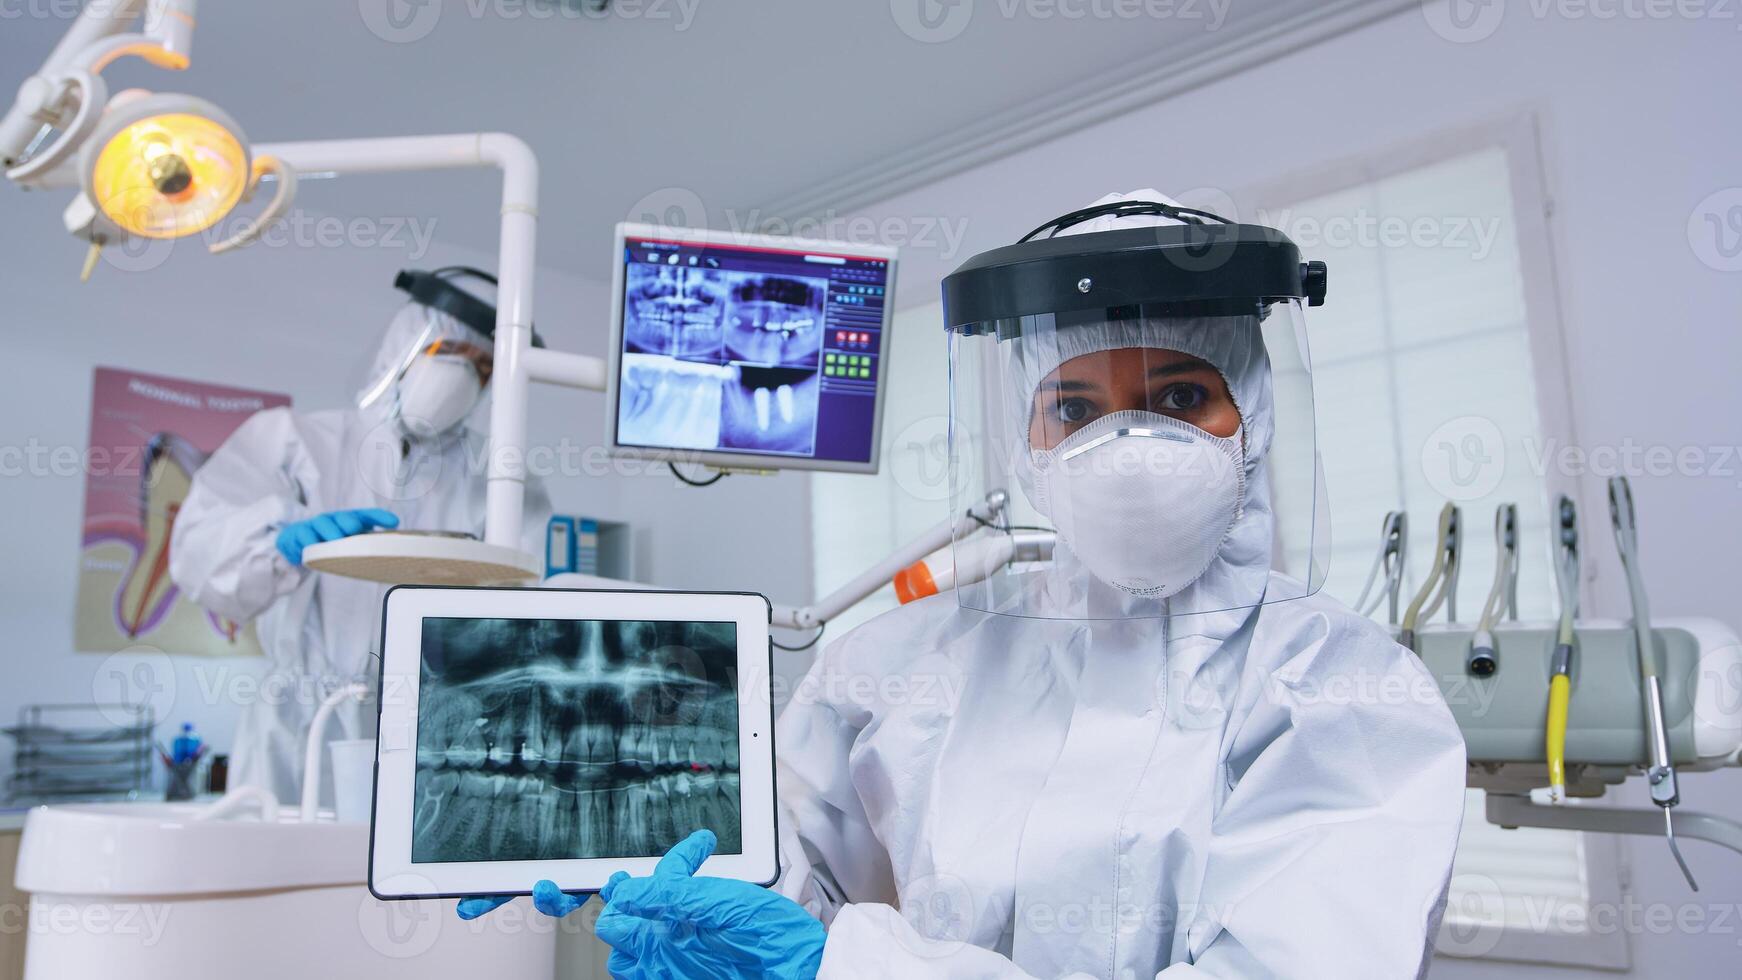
(186,746)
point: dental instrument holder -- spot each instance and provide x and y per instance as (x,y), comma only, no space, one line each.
(1661,776)
(181,780)
(1502,718)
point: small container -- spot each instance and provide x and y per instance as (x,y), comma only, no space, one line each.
(186,746)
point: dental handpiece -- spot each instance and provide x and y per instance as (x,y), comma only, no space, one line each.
(1442,578)
(1560,684)
(1484,658)
(1661,775)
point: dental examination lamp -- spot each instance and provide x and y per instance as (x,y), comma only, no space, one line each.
(166,166)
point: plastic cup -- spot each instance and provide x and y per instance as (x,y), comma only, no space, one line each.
(353,778)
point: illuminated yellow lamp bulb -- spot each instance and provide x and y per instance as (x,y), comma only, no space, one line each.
(168,170)
(167,174)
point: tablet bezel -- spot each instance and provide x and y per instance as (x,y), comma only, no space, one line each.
(393,876)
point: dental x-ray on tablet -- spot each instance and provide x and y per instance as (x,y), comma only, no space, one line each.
(748,351)
(541,733)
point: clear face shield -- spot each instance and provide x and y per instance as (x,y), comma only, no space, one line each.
(1152,435)
(433,365)
(431,372)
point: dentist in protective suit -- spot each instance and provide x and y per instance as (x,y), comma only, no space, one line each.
(402,457)
(1154,757)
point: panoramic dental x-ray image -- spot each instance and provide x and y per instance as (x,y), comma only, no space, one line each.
(724,360)
(565,739)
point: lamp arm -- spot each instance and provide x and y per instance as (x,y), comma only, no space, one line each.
(513,370)
(938,536)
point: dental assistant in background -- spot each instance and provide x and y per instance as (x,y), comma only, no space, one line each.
(401,457)
(1166,759)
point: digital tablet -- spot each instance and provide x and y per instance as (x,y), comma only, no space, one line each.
(546,733)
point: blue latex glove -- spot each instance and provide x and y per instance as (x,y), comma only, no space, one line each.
(546,897)
(674,924)
(331,526)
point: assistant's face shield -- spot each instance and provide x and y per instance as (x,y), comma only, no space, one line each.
(430,372)
(1146,393)
(436,359)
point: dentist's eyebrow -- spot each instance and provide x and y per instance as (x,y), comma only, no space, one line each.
(1178,367)
(1069,386)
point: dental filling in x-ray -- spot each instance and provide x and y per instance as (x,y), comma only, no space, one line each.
(776,320)
(750,351)
(566,739)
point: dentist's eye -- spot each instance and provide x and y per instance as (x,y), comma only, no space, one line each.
(1180,397)
(1072,411)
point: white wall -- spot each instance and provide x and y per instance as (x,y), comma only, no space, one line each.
(303,320)
(1638,130)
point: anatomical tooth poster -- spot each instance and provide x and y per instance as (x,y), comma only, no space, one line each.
(149,434)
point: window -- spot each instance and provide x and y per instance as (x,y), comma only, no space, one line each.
(1435,371)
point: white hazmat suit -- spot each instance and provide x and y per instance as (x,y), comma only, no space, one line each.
(1220,790)
(322,631)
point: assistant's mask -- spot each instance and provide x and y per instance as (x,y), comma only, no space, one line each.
(436,393)
(1143,499)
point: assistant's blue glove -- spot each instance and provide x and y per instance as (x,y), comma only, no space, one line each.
(674,924)
(546,897)
(331,526)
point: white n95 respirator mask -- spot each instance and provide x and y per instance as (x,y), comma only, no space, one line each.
(1144,500)
(435,394)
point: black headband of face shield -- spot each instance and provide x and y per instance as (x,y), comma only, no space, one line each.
(1123,209)
(437,291)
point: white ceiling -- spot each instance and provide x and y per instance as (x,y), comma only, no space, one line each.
(740,104)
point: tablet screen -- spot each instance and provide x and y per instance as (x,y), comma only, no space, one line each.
(552,739)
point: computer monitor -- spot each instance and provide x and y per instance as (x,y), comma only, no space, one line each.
(748,351)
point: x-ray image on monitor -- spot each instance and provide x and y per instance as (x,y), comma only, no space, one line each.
(560,739)
(668,402)
(775,320)
(675,310)
(771,410)
(736,350)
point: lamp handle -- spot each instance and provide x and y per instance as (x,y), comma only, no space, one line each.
(281,201)
(52,92)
